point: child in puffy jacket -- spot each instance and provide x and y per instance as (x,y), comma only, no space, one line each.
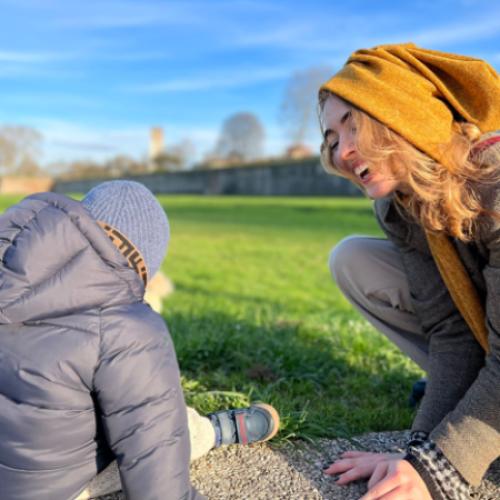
(88,372)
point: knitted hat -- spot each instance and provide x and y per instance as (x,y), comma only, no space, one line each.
(418,92)
(132,209)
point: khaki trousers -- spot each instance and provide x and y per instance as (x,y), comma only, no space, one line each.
(369,272)
(202,438)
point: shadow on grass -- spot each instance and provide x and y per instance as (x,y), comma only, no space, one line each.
(320,384)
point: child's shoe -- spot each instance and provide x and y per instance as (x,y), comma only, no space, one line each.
(258,423)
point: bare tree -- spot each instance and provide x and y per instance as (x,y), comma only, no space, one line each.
(242,136)
(175,158)
(117,166)
(82,169)
(121,165)
(298,111)
(165,162)
(29,168)
(185,151)
(20,149)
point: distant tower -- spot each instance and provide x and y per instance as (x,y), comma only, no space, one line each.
(156,143)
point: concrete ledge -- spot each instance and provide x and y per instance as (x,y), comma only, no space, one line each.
(294,471)
(25,185)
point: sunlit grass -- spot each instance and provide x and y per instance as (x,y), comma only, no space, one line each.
(256,315)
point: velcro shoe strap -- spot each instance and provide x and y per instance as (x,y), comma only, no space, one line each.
(227,427)
(241,426)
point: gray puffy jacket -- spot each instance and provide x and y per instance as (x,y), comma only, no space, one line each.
(84,363)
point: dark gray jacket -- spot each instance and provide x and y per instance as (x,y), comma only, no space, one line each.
(461,406)
(84,363)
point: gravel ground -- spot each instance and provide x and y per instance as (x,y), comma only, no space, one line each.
(294,471)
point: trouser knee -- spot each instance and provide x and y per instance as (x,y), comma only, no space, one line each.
(345,259)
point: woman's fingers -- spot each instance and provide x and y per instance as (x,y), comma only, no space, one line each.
(370,455)
(380,472)
(396,479)
(355,465)
(339,466)
(359,472)
(390,477)
(351,469)
(356,454)
(381,483)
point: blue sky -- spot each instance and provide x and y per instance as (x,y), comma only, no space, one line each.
(93,76)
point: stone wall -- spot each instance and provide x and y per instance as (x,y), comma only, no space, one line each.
(288,178)
(25,185)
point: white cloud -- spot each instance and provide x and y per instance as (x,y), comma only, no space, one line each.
(37,64)
(311,31)
(287,36)
(11,71)
(99,14)
(473,29)
(68,140)
(128,14)
(32,57)
(132,56)
(228,79)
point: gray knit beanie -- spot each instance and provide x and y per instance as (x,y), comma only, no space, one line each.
(132,208)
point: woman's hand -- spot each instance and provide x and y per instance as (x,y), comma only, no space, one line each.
(354,465)
(396,479)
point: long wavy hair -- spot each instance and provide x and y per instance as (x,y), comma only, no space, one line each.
(439,198)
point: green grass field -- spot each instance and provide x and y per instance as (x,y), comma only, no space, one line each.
(256,316)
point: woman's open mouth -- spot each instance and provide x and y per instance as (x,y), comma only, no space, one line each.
(362,172)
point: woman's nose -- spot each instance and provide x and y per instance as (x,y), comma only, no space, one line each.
(346,149)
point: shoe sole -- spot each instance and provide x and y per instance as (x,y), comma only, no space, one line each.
(275,417)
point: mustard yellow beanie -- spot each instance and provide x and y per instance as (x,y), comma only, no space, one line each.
(418,92)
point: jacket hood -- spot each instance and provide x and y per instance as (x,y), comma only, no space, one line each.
(55,260)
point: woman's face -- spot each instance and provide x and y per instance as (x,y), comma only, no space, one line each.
(339,135)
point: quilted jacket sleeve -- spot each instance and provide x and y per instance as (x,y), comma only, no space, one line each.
(143,413)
